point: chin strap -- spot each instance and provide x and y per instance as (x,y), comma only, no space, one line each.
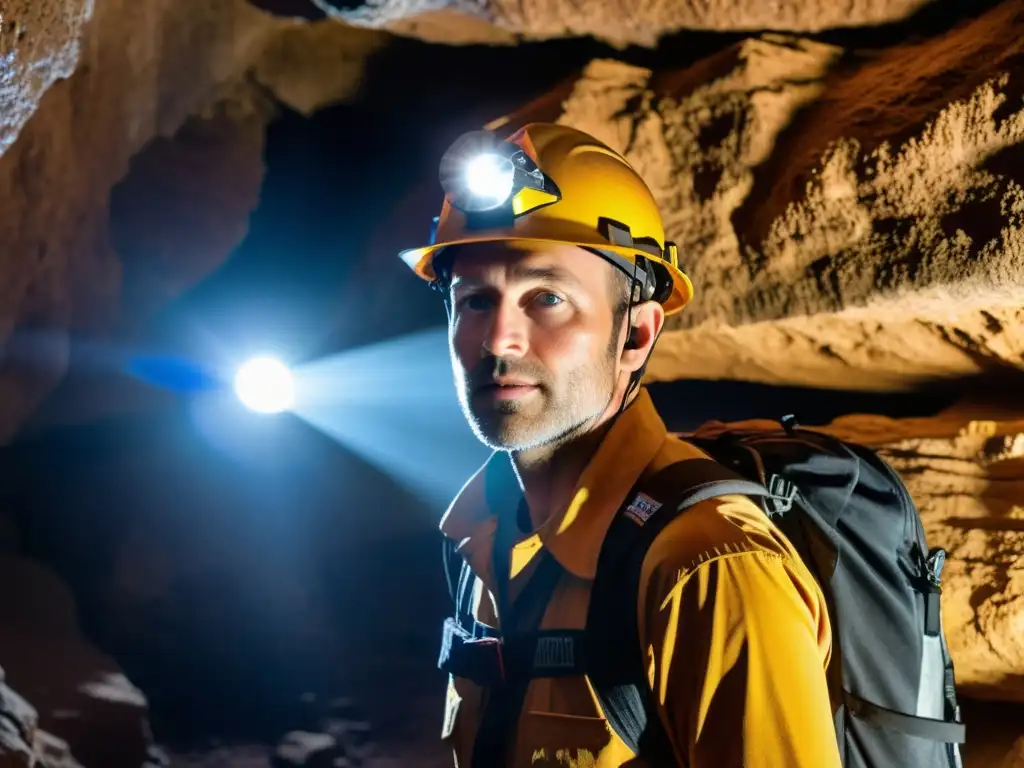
(636,378)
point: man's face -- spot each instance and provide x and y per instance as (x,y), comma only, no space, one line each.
(534,351)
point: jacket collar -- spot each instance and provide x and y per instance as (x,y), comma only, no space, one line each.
(573,535)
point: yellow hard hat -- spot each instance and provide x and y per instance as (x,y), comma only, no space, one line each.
(550,183)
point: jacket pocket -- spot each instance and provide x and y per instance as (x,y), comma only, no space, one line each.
(566,741)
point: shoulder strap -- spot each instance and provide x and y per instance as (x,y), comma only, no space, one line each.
(615,660)
(452,564)
(459,577)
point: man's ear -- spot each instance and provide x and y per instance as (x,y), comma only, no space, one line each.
(648,320)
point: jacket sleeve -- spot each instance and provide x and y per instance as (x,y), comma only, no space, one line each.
(737,644)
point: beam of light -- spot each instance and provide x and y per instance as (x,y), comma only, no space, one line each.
(264,385)
(394,405)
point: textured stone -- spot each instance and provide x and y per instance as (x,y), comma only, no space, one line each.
(134,76)
(310,66)
(39,44)
(183,207)
(618,21)
(18,723)
(60,273)
(848,221)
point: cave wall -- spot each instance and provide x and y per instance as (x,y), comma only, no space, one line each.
(131,142)
(171,95)
(851,216)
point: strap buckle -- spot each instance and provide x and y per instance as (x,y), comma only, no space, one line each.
(479,659)
(783,494)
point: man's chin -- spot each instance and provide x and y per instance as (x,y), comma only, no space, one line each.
(506,433)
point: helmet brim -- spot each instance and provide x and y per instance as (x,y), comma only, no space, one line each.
(420,260)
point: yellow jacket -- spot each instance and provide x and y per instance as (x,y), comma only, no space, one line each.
(732,624)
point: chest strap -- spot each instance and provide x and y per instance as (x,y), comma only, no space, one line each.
(488,660)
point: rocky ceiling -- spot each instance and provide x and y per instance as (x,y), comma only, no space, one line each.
(851,218)
(617,21)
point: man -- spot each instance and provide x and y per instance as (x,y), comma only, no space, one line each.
(557,281)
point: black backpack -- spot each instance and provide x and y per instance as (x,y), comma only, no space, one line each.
(856,528)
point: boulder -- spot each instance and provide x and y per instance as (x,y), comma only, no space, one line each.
(18,725)
(82,707)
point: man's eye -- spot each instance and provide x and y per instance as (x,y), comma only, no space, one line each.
(474,302)
(549,299)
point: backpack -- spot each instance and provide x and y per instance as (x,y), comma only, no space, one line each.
(854,525)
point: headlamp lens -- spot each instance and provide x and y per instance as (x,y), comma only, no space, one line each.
(490,177)
(477,172)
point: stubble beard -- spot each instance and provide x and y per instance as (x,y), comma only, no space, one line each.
(548,417)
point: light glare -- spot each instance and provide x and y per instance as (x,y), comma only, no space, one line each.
(490,177)
(265,385)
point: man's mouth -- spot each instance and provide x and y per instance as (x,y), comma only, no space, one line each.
(506,389)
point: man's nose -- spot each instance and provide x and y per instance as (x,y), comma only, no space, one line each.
(507,334)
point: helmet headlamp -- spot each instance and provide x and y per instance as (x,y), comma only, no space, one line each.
(482,174)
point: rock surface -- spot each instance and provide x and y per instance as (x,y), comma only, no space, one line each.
(618,21)
(18,724)
(848,221)
(82,102)
(39,45)
(1015,758)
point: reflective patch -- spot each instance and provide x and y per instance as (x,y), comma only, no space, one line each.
(641,508)
(451,709)
(931,700)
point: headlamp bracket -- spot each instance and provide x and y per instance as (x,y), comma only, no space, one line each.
(495,218)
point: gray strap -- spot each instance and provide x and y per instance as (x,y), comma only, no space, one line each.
(922,727)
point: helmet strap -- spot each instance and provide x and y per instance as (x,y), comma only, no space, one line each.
(637,376)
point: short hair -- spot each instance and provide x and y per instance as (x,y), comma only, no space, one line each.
(442,265)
